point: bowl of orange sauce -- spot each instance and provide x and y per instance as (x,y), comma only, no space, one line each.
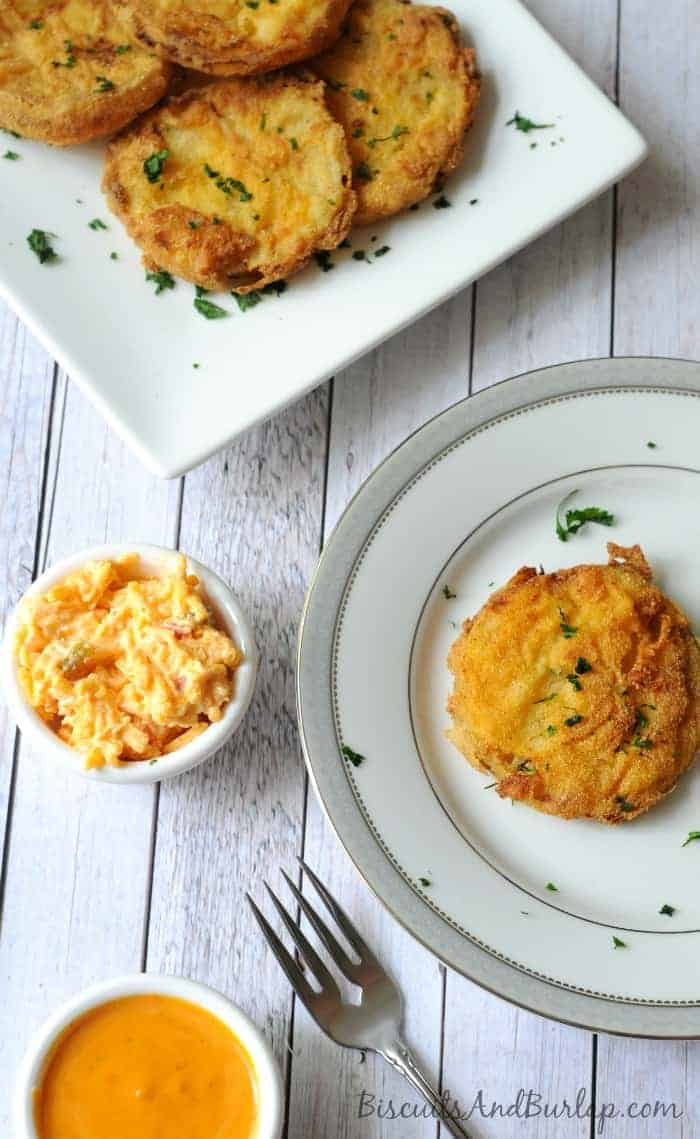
(150,1056)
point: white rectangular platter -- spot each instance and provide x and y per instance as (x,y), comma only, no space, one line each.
(135,353)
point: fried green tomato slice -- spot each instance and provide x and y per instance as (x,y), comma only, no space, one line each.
(405,90)
(70,70)
(237,37)
(579,690)
(234,185)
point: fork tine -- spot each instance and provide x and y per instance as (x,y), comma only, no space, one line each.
(318,968)
(338,913)
(336,951)
(294,974)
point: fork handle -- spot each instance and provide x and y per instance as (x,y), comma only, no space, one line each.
(402,1059)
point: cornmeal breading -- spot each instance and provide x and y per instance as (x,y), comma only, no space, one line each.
(579,690)
(405,90)
(237,37)
(70,71)
(234,185)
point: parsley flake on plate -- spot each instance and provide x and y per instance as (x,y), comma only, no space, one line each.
(11,155)
(96,223)
(693,836)
(38,242)
(425,882)
(354,756)
(667,911)
(447,593)
(618,943)
(323,259)
(442,203)
(552,888)
(247,300)
(161,279)
(522,123)
(208,309)
(573,520)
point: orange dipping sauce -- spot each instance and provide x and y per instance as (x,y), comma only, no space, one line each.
(147,1067)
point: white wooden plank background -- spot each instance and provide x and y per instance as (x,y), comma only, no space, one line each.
(99,881)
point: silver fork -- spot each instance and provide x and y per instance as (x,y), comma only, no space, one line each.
(375,1024)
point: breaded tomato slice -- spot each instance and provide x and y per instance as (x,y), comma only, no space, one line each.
(237,37)
(579,690)
(70,70)
(405,90)
(234,185)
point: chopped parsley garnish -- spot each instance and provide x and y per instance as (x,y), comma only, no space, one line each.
(573,520)
(618,943)
(153,166)
(277,287)
(227,185)
(551,887)
(114,256)
(396,133)
(667,911)
(246,301)
(551,730)
(96,223)
(442,203)
(208,309)
(582,666)
(383,249)
(161,279)
(526,767)
(323,259)
(294,144)
(359,255)
(103,84)
(624,804)
(122,49)
(568,630)
(12,134)
(354,756)
(572,721)
(70,60)
(473,201)
(574,682)
(38,242)
(194,223)
(641,721)
(363,172)
(360,94)
(11,155)
(425,882)
(447,593)
(652,445)
(522,123)
(36,25)
(693,836)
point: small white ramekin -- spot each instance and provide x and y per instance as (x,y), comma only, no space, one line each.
(234,622)
(269,1081)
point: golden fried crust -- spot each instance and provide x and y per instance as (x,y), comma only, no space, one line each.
(237,37)
(579,690)
(70,70)
(257,177)
(406,91)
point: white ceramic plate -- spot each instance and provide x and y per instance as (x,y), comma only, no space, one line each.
(133,353)
(464,503)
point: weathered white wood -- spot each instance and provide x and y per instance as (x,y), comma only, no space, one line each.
(548,304)
(26,373)
(253,514)
(78,864)
(656,312)
(376,403)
